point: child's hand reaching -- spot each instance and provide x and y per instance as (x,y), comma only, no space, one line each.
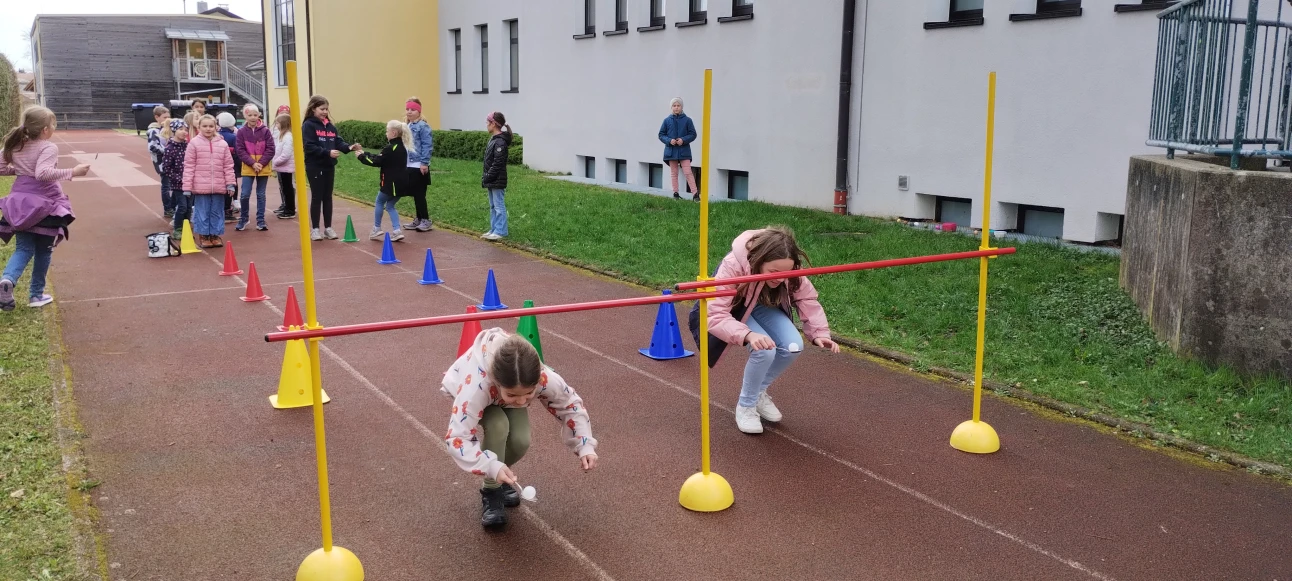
(588,461)
(506,476)
(81,170)
(826,343)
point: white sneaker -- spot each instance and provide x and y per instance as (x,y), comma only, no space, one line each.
(40,301)
(486,235)
(396,235)
(492,237)
(766,409)
(330,233)
(376,234)
(747,420)
(315,235)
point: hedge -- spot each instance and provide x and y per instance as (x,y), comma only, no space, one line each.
(467,145)
(10,99)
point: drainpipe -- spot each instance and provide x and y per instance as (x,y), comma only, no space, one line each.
(845,108)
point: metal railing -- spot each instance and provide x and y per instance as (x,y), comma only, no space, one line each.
(1222,83)
(246,84)
(199,70)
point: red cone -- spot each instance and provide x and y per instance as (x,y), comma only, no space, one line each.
(470,330)
(292,316)
(254,293)
(230,262)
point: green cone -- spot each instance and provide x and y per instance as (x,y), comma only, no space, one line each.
(349,231)
(528,328)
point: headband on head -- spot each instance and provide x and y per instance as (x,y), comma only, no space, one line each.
(414,105)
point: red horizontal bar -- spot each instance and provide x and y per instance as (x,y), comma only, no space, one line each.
(488,315)
(842,268)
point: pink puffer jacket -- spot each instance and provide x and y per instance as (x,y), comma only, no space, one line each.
(727,328)
(208,166)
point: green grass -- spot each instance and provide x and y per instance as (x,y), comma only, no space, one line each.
(1058,323)
(36,524)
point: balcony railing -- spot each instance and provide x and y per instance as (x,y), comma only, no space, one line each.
(1222,83)
(189,70)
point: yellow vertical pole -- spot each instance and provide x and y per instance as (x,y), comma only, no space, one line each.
(330,563)
(975,435)
(705,491)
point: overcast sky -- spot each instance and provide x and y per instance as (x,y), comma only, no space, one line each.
(16,16)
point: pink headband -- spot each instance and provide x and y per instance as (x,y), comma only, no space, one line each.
(414,105)
(492,119)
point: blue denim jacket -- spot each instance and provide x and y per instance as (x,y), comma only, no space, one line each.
(422,140)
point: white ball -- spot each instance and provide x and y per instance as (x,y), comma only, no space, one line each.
(794,348)
(528,493)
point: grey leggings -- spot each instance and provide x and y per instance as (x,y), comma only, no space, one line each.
(506,434)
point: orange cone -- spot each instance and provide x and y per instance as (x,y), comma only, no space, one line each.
(470,330)
(230,261)
(292,314)
(254,293)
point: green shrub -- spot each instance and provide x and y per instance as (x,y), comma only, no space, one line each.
(10,99)
(465,145)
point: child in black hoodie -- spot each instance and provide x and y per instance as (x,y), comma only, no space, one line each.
(322,146)
(393,161)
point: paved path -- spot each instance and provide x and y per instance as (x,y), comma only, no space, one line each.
(202,479)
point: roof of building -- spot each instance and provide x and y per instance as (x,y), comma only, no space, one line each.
(220,11)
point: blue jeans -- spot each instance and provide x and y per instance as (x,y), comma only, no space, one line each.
(498,212)
(168,199)
(181,208)
(27,247)
(386,203)
(261,183)
(765,365)
(208,214)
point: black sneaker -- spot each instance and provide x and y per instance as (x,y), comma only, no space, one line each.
(510,496)
(695,197)
(493,515)
(286,215)
(676,195)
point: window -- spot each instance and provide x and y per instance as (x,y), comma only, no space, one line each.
(621,170)
(1144,6)
(960,13)
(655,175)
(457,61)
(656,17)
(698,13)
(284,36)
(621,15)
(513,31)
(590,167)
(1040,221)
(958,211)
(1050,9)
(737,185)
(483,30)
(742,7)
(589,16)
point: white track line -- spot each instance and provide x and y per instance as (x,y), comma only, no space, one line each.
(548,531)
(205,290)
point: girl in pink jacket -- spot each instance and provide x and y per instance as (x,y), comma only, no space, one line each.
(208,179)
(767,328)
(492,385)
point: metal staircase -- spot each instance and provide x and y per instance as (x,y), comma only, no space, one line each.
(242,83)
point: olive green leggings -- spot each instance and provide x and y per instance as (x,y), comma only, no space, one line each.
(506,434)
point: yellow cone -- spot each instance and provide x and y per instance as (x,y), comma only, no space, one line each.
(295,388)
(186,245)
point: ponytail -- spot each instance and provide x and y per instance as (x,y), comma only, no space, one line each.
(34,122)
(497,118)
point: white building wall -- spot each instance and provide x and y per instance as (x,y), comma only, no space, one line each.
(1073,101)
(775,89)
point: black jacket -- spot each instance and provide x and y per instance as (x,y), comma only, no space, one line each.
(495,163)
(393,161)
(319,139)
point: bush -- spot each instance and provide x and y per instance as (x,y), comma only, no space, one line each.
(10,99)
(465,145)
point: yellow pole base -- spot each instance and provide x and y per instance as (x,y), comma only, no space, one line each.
(975,437)
(335,565)
(706,493)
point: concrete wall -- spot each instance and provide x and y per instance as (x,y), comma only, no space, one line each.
(1072,106)
(1207,258)
(775,98)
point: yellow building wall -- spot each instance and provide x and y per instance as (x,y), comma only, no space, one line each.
(371,56)
(277,95)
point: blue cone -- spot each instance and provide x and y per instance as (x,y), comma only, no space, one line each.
(666,340)
(388,252)
(491,300)
(429,276)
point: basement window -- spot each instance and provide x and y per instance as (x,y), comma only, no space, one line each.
(960,13)
(1050,9)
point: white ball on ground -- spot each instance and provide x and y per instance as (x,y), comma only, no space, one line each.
(528,493)
(794,348)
